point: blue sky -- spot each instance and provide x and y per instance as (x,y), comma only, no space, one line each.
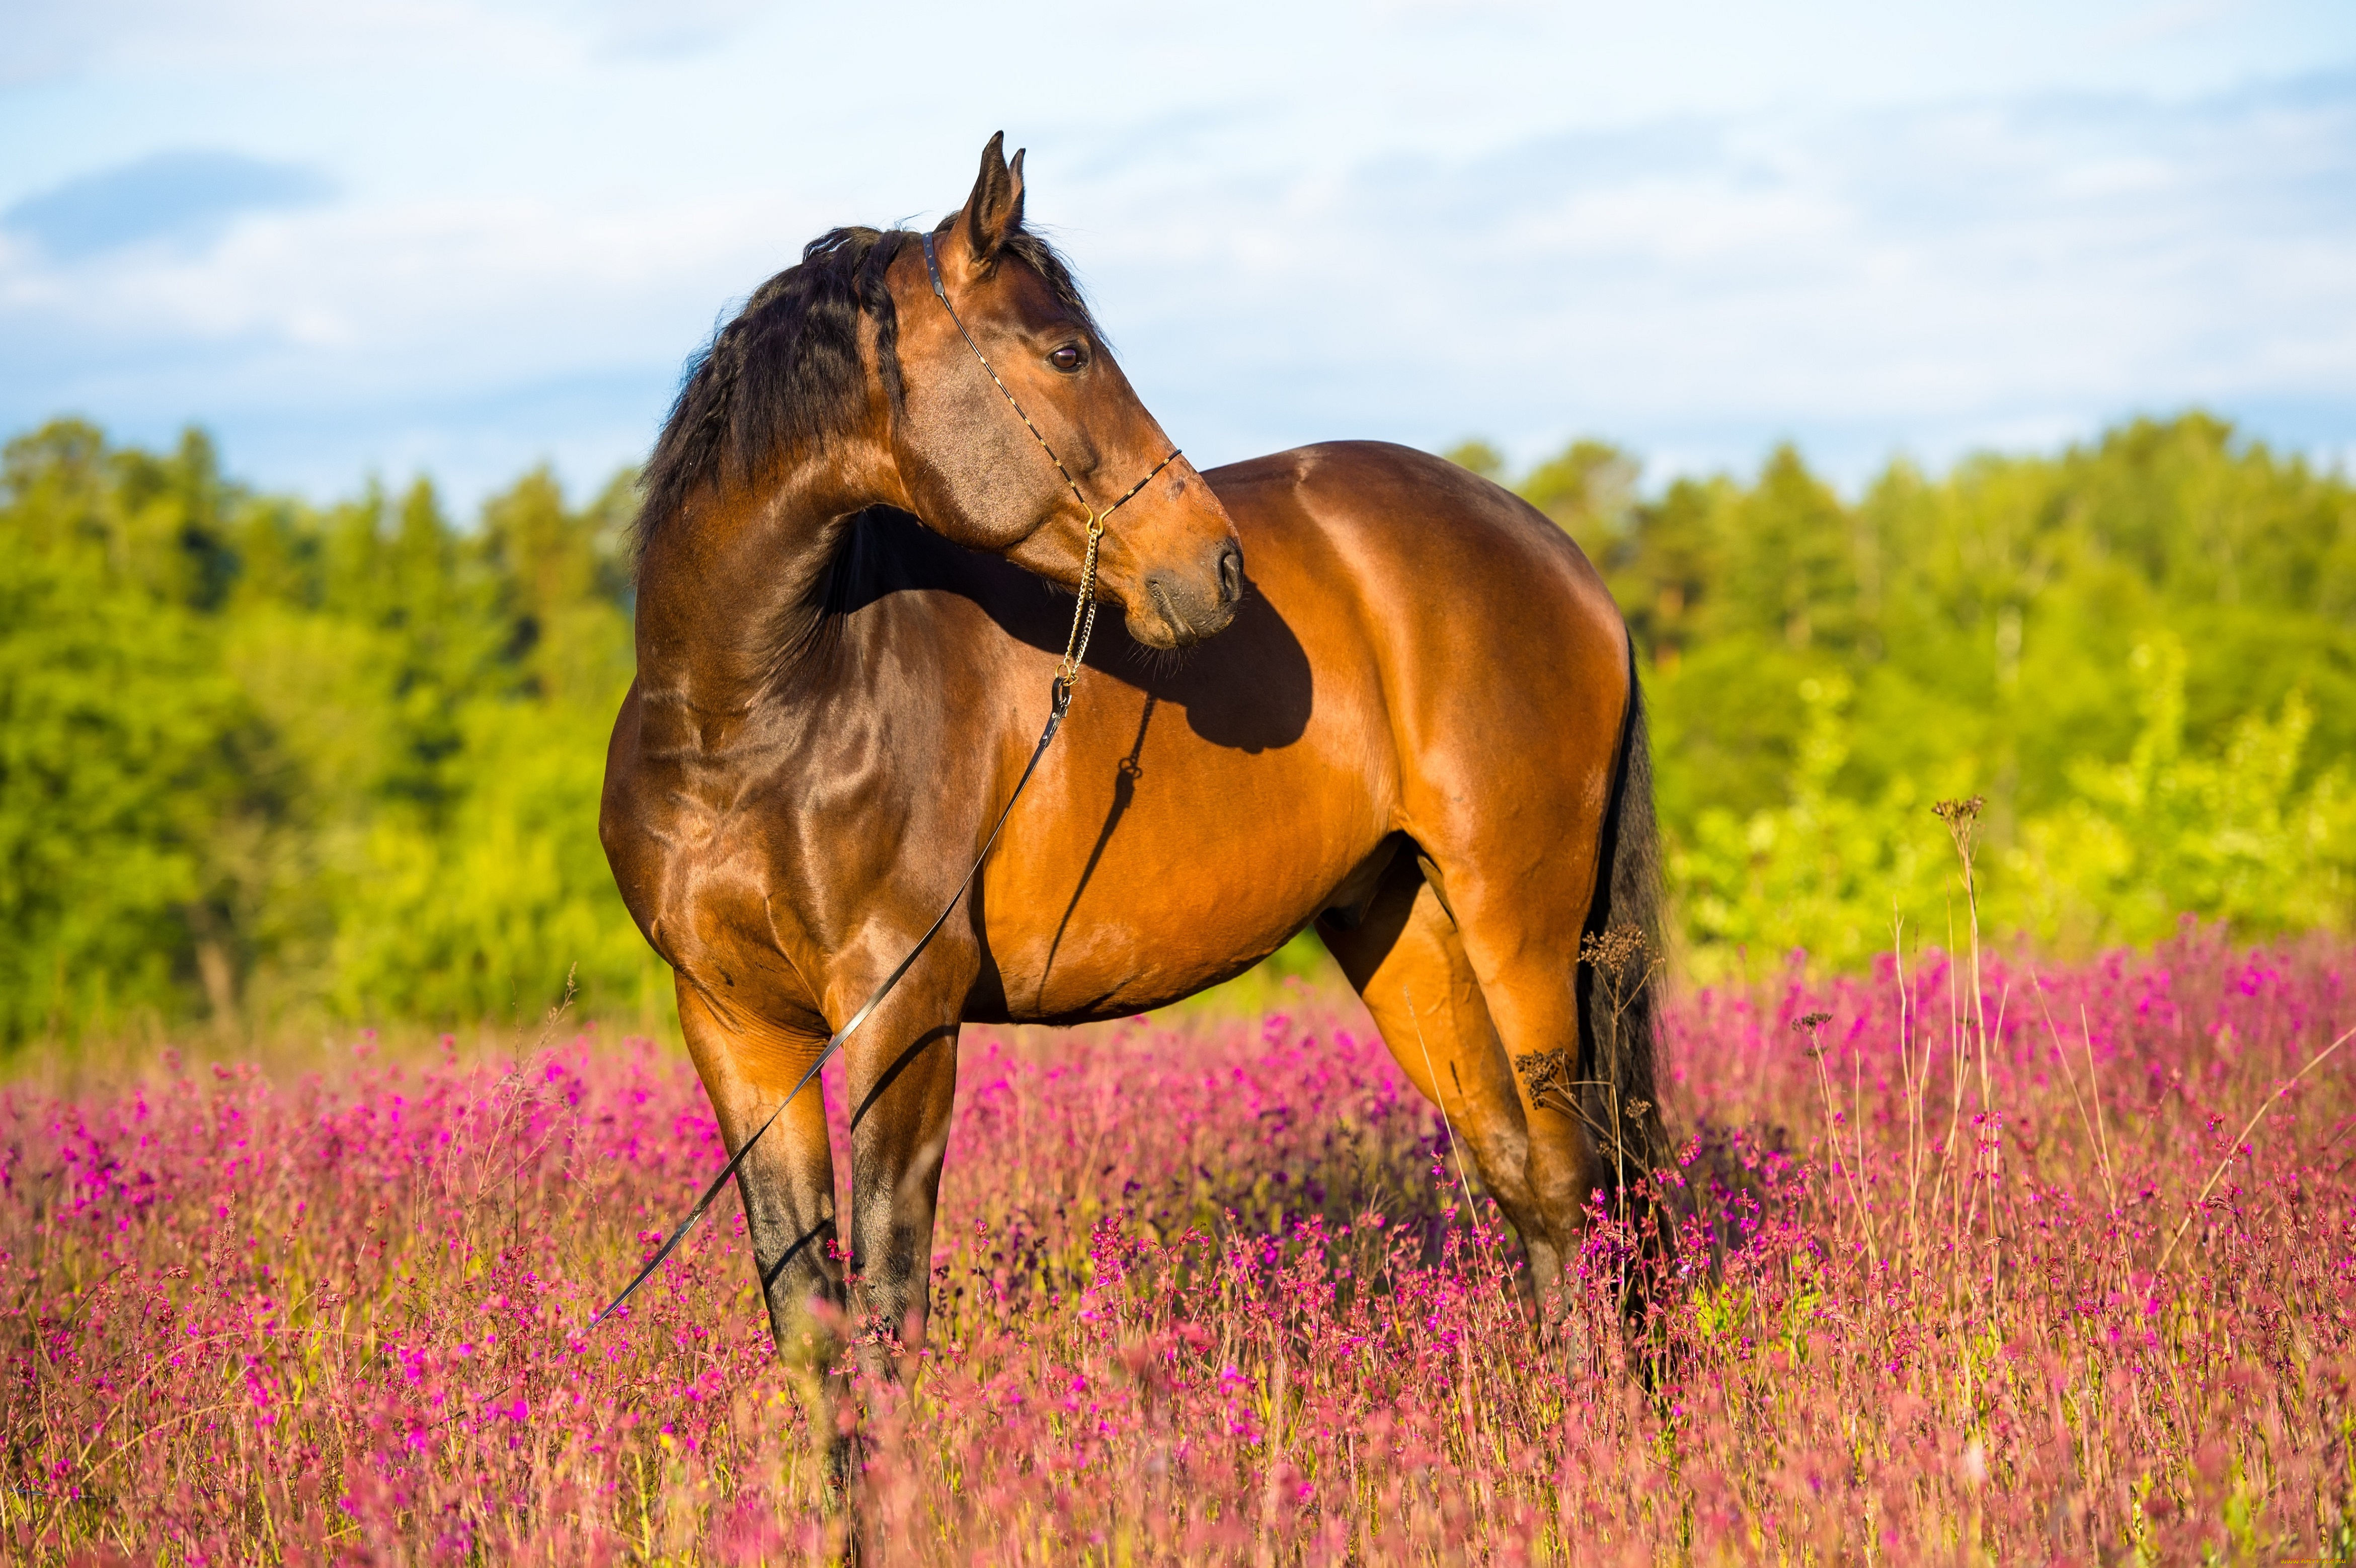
(465,236)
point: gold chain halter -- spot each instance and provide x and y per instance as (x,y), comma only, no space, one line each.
(1084,614)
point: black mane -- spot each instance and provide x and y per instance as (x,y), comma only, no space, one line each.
(785,374)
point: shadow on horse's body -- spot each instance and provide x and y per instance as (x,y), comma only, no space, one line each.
(1415,726)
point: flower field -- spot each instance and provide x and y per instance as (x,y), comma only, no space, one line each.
(2012,1277)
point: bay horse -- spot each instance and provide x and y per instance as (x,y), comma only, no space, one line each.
(1415,722)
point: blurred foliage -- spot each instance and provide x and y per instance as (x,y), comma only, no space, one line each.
(2142,651)
(262,762)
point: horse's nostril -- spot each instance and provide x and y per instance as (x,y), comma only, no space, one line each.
(1231,575)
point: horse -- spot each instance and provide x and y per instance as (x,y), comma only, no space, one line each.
(1412,720)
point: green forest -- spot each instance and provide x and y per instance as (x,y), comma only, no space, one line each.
(264,763)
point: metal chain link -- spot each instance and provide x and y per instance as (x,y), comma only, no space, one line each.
(1084,614)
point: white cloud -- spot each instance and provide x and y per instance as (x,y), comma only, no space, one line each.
(1668,226)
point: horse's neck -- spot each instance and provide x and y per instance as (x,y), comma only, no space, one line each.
(731,611)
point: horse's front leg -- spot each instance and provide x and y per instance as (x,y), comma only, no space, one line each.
(901,1083)
(747,1065)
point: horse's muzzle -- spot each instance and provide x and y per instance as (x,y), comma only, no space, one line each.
(1194,605)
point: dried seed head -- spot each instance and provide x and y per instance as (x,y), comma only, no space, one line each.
(1549,1075)
(1963,819)
(1952,812)
(1612,951)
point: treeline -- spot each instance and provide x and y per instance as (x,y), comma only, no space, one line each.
(2141,654)
(262,761)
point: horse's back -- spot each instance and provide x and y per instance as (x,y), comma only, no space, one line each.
(1479,611)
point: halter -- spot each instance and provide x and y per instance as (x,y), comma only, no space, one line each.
(1084,614)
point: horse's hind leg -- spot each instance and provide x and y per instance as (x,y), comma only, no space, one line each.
(1406,962)
(1519,927)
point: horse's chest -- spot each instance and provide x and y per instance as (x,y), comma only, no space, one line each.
(722,906)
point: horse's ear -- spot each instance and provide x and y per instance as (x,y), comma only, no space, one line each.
(994,210)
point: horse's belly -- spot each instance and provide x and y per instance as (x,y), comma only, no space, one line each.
(1147,876)
(1128,942)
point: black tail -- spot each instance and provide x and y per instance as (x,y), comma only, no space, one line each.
(1620,957)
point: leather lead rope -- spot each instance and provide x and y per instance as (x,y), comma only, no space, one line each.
(1059,703)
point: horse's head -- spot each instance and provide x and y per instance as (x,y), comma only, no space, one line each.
(975,474)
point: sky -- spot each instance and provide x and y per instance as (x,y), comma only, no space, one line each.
(463,237)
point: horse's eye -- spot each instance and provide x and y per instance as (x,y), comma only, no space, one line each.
(1068,358)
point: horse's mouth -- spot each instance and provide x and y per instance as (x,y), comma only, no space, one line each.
(1181,634)
(1182,628)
